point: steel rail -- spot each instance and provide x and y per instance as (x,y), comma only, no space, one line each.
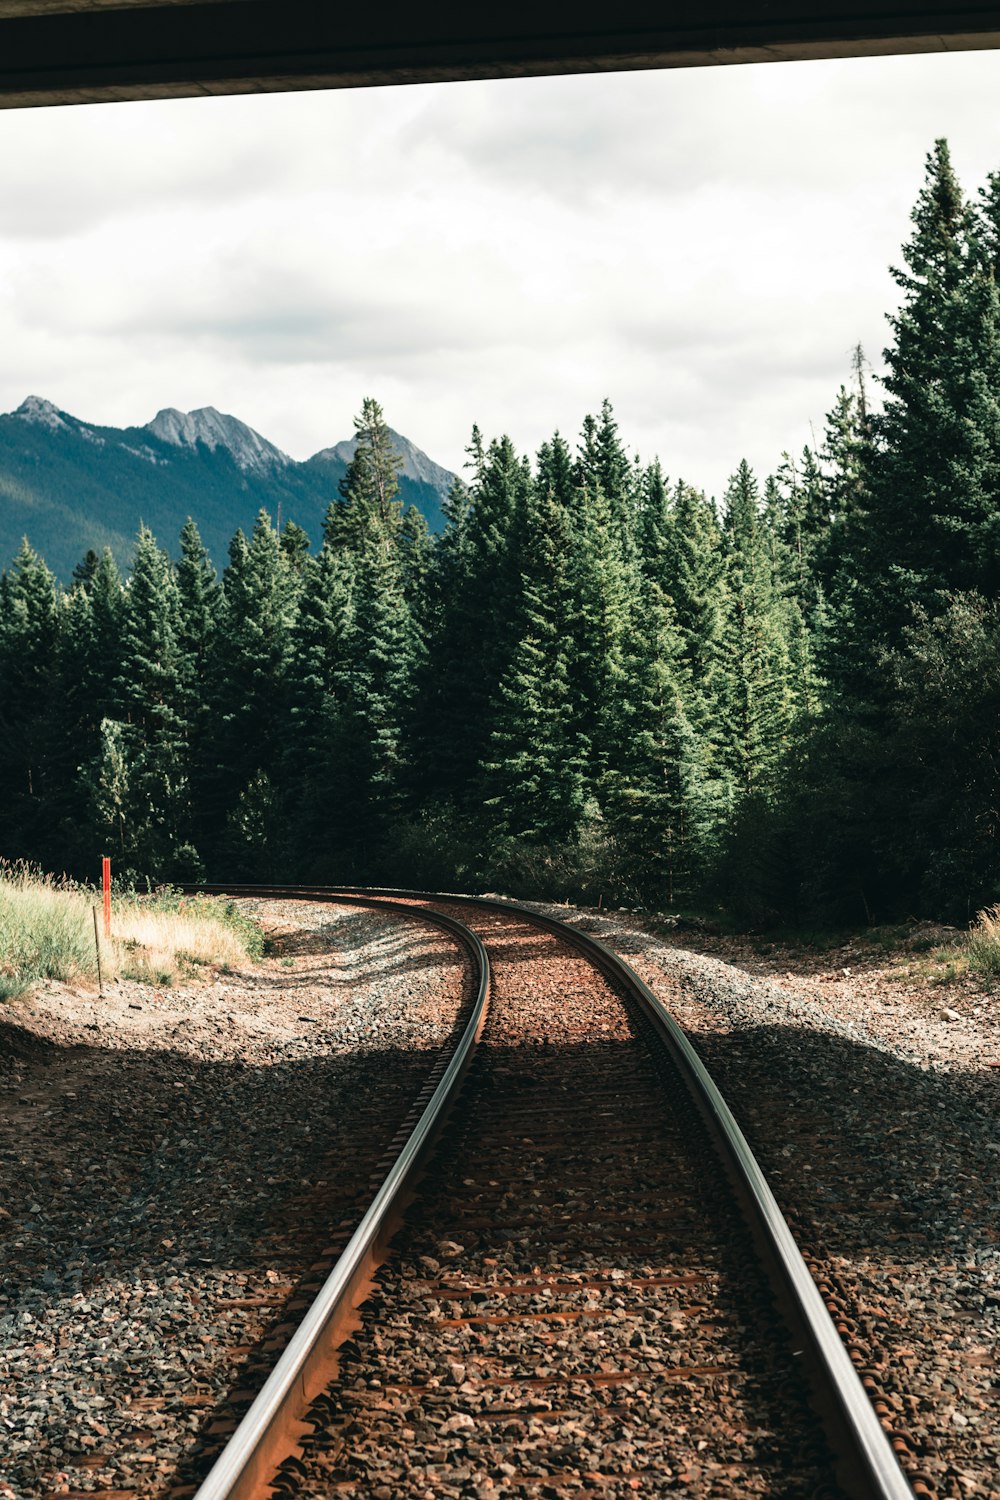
(866,1464)
(271,1427)
(867,1467)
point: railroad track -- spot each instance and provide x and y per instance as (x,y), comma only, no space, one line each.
(593,1292)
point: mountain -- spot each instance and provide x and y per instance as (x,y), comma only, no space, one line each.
(68,485)
(416,465)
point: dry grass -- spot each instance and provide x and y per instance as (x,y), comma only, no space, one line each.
(47,932)
(151,944)
(983,943)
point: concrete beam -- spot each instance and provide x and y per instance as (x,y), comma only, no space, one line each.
(91,51)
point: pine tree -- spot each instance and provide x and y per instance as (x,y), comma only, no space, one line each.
(107,784)
(321,639)
(554,473)
(85,569)
(603,575)
(416,556)
(603,466)
(151,751)
(659,794)
(295,546)
(656,522)
(370,488)
(89,661)
(374,689)
(200,614)
(30,620)
(759,706)
(693,576)
(471,634)
(533,774)
(249,678)
(929,522)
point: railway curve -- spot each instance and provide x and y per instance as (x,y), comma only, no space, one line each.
(294,1410)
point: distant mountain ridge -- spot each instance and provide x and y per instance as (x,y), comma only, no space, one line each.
(70,485)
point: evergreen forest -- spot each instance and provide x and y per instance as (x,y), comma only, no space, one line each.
(594,681)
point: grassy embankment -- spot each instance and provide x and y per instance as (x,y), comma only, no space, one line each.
(47,932)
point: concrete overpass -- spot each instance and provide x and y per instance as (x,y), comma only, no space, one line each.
(94,51)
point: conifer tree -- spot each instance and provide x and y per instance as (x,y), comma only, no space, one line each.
(89,662)
(415,555)
(374,687)
(472,633)
(250,671)
(655,523)
(370,488)
(30,620)
(439,766)
(85,569)
(295,546)
(929,524)
(318,661)
(200,613)
(149,754)
(694,578)
(554,470)
(533,776)
(603,576)
(659,794)
(603,466)
(759,707)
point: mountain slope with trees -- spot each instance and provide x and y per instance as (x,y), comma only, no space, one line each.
(70,487)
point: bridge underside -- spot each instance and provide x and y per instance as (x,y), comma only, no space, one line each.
(92,51)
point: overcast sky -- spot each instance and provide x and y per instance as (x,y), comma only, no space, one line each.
(702,246)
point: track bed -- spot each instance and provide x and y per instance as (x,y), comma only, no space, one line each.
(574,1305)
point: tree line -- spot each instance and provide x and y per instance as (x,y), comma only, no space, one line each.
(594,680)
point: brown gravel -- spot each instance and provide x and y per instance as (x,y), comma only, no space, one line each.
(866,1091)
(153,1149)
(172,1160)
(565,1312)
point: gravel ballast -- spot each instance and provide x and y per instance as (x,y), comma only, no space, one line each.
(172,1161)
(872,1105)
(573,1308)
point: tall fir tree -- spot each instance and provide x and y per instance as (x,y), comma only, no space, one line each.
(200,615)
(659,794)
(534,769)
(477,588)
(249,698)
(369,491)
(374,687)
(759,703)
(151,751)
(928,523)
(30,625)
(321,639)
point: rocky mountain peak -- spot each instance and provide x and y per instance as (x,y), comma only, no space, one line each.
(416,464)
(44,413)
(251,452)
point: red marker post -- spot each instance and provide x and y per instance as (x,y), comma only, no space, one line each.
(106,886)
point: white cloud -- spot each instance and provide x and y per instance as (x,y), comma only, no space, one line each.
(702,246)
